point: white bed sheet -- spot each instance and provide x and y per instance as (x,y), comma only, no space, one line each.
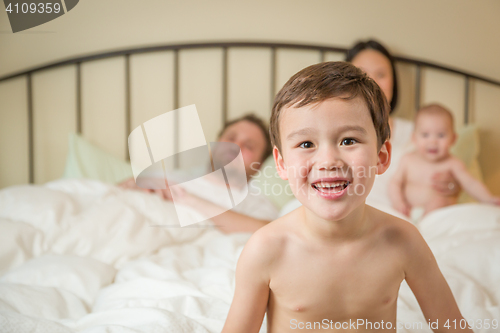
(82,256)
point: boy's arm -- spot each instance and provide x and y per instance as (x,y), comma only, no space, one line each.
(428,284)
(471,185)
(396,188)
(252,288)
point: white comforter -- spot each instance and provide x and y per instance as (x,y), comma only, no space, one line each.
(82,256)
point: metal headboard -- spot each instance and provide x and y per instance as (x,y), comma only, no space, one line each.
(224,46)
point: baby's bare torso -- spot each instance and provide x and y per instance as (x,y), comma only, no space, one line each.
(418,183)
(337,285)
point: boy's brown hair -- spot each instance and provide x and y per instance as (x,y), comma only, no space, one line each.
(326,80)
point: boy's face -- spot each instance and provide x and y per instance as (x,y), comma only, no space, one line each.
(433,136)
(329,155)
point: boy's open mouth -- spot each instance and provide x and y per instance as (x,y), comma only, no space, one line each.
(331,186)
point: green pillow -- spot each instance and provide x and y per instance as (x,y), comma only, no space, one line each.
(88,161)
(467,149)
(467,145)
(271,185)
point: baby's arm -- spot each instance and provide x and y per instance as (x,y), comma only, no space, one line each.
(252,288)
(471,185)
(396,188)
(428,284)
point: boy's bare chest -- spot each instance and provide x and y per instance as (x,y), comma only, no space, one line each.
(346,285)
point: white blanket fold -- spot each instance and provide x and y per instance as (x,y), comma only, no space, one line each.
(82,256)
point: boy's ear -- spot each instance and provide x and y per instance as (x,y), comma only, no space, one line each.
(384,157)
(280,164)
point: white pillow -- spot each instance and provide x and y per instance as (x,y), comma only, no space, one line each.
(80,276)
(34,301)
(13,322)
(19,242)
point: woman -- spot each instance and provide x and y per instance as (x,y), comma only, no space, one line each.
(209,195)
(373,58)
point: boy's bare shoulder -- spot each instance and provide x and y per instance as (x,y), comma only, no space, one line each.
(270,241)
(396,231)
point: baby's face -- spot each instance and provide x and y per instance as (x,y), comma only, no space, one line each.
(329,155)
(434,136)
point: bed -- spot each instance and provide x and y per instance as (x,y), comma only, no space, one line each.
(83,255)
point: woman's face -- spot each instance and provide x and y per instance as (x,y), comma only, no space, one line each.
(251,140)
(378,67)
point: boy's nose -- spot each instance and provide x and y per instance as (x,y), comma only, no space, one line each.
(329,159)
(331,165)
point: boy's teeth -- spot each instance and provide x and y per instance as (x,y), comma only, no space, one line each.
(332,184)
(328,186)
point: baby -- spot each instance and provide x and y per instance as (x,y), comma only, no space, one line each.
(334,263)
(411,187)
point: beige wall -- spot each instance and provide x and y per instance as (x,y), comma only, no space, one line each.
(459,33)
(456,33)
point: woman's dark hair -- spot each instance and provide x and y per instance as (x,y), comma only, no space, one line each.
(374,45)
(252,118)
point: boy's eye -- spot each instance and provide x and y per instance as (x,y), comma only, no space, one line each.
(441,135)
(306,144)
(348,142)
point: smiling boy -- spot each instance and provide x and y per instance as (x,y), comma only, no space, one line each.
(334,260)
